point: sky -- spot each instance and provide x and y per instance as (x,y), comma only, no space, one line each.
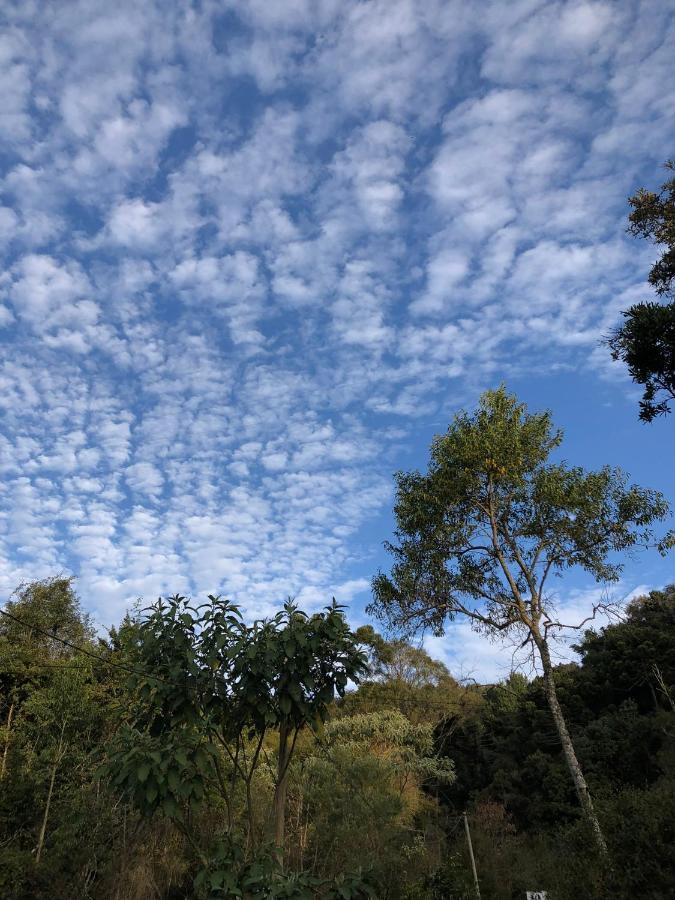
(255,255)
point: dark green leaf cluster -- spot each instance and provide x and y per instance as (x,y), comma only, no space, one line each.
(646,344)
(230,874)
(646,340)
(204,665)
(653,218)
(167,772)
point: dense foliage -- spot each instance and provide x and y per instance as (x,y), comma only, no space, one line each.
(646,340)
(115,783)
(195,755)
(620,707)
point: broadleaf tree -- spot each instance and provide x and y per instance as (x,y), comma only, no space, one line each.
(210,690)
(645,342)
(483,530)
(35,621)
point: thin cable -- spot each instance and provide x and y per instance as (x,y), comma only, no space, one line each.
(34,666)
(107,662)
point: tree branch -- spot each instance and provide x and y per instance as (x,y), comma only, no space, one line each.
(605,607)
(507,572)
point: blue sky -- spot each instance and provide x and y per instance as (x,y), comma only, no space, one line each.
(255,255)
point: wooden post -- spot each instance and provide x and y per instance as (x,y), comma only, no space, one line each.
(473,861)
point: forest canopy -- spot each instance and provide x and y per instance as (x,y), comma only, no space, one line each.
(150,763)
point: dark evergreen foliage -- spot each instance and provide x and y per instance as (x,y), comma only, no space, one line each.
(646,340)
(376,785)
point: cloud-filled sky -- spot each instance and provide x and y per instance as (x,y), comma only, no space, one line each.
(254,255)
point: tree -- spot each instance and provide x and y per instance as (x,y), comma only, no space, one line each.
(39,617)
(400,663)
(38,614)
(59,713)
(360,800)
(403,677)
(482,531)
(53,706)
(209,691)
(623,730)
(634,658)
(47,605)
(646,340)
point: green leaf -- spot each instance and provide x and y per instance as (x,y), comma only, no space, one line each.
(174,780)
(169,807)
(216,878)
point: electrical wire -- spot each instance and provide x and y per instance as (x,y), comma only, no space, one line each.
(84,650)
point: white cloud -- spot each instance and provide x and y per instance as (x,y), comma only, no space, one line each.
(372,164)
(360,306)
(470,654)
(55,300)
(557,41)
(238,258)
(229,286)
(15,121)
(445,270)
(136,224)
(144,478)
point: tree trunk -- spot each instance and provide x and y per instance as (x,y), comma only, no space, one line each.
(10,716)
(280,793)
(568,748)
(43,829)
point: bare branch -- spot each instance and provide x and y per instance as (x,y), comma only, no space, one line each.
(662,686)
(606,607)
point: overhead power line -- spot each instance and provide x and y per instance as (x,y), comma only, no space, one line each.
(83,650)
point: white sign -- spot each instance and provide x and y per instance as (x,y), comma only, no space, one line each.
(536,895)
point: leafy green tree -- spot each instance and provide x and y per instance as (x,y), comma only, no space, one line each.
(34,621)
(57,715)
(646,344)
(210,690)
(482,531)
(635,658)
(508,755)
(400,662)
(42,614)
(646,340)
(653,217)
(54,703)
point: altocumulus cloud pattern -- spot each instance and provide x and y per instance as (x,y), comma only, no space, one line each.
(247,246)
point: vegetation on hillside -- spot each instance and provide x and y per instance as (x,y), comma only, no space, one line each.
(114,784)
(194,754)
